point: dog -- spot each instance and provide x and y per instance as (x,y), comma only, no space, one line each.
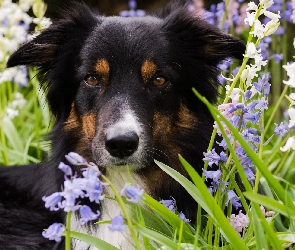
(120,91)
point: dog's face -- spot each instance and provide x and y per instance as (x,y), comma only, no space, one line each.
(121,87)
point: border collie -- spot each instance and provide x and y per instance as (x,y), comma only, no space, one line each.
(120,91)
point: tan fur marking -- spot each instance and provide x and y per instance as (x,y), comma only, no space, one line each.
(102,67)
(162,125)
(187,119)
(73,120)
(88,124)
(148,70)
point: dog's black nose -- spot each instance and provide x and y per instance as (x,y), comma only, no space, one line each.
(122,145)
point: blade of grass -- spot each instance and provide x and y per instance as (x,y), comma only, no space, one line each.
(100,244)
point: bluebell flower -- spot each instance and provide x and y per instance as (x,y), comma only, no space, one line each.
(75,159)
(87,214)
(253,118)
(248,94)
(69,204)
(133,12)
(236,107)
(263,85)
(212,157)
(132,4)
(222,144)
(233,199)
(278,57)
(133,194)
(223,156)
(281,129)
(236,70)
(235,120)
(249,173)
(262,104)
(65,168)
(256,139)
(214,175)
(54,232)
(52,201)
(250,107)
(169,204)
(182,216)
(117,224)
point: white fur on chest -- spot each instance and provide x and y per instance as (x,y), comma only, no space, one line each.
(110,209)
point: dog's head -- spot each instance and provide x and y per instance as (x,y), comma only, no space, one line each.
(120,88)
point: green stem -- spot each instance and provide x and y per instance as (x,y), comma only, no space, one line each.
(124,211)
(270,119)
(68,232)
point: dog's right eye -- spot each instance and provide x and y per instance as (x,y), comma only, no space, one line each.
(91,80)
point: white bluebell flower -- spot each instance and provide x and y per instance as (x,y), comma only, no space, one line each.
(75,159)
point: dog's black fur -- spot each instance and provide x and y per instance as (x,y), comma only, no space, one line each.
(181,49)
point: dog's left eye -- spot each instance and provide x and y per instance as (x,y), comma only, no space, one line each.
(91,80)
(159,81)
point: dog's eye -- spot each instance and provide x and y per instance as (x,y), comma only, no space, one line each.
(91,80)
(159,81)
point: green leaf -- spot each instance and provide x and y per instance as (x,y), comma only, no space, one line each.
(12,135)
(286,237)
(158,237)
(271,204)
(169,216)
(202,195)
(89,239)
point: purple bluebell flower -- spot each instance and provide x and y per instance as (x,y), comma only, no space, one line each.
(249,173)
(214,175)
(87,214)
(75,159)
(117,224)
(236,107)
(94,190)
(65,168)
(132,12)
(169,204)
(252,117)
(248,94)
(223,156)
(133,194)
(233,199)
(224,65)
(52,201)
(262,104)
(212,157)
(280,31)
(221,79)
(251,106)
(235,120)
(69,204)
(182,216)
(54,232)
(281,129)
(132,4)
(236,70)
(278,57)
(222,144)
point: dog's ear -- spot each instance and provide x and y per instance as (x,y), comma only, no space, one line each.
(196,38)
(55,52)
